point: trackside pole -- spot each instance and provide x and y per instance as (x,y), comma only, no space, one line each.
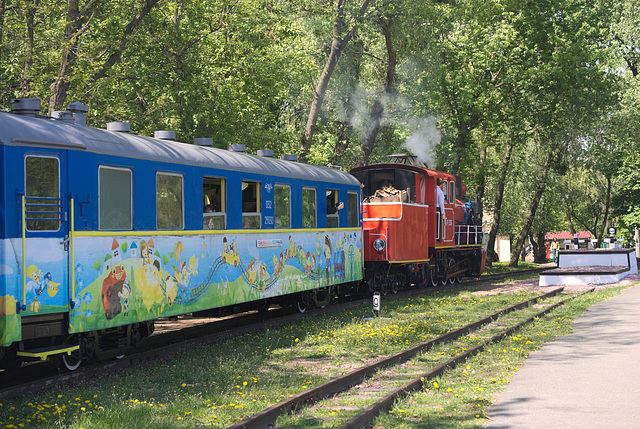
(376,304)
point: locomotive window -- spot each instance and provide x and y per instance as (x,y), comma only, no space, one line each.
(445,190)
(352,209)
(169,198)
(115,198)
(251,205)
(282,203)
(308,208)
(452,185)
(42,193)
(214,203)
(332,208)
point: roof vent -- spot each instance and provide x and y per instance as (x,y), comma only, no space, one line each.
(63,116)
(236,148)
(203,141)
(165,135)
(25,106)
(122,127)
(290,157)
(79,111)
(267,153)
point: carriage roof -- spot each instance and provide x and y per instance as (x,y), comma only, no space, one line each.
(46,132)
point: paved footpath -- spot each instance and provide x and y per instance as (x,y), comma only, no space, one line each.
(587,379)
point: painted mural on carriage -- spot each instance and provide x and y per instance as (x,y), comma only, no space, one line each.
(147,278)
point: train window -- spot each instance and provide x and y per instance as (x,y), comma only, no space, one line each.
(308,208)
(115,198)
(42,193)
(251,205)
(169,201)
(352,209)
(452,188)
(445,190)
(282,206)
(214,203)
(332,208)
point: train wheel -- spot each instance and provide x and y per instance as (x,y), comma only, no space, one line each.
(69,362)
(433,279)
(300,306)
(452,269)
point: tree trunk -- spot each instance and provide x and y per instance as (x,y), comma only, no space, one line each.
(115,55)
(337,46)
(377,111)
(572,229)
(495,223)
(482,180)
(539,248)
(77,23)
(540,187)
(3,8)
(29,13)
(607,203)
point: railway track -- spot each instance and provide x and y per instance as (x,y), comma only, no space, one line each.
(42,375)
(387,372)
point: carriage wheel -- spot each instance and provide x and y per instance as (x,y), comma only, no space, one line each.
(68,362)
(300,306)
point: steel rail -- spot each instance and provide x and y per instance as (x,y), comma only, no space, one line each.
(230,329)
(267,417)
(368,415)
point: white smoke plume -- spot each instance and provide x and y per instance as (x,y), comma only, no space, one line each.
(424,138)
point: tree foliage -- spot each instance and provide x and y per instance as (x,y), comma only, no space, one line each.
(533,103)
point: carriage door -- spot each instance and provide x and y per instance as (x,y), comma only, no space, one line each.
(45,233)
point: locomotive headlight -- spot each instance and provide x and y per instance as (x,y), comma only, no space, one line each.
(379,244)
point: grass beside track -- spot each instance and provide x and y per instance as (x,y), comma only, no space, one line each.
(215,386)
(503,267)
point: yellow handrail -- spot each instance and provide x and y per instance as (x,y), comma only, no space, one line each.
(71,253)
(24,252)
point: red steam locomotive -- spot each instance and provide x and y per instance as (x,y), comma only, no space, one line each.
(410,237)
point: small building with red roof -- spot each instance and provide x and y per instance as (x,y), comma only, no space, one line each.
(566,240)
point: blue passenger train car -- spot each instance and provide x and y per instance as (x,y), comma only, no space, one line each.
(103,231)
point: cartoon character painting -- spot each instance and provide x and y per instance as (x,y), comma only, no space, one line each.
(124,298)
(264,277)
(171,290)
(36,286)
(277,266)
(111,289)
(327,256)
(230,252)
(307,264)
(52,287)
(252,272)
